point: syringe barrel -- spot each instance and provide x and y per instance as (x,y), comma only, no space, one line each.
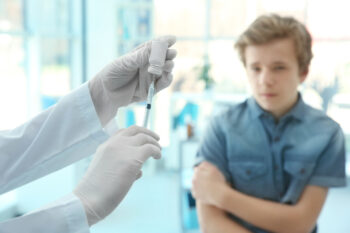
(150,93)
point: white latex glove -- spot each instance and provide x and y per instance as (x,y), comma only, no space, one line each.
(126,80)
(115,166)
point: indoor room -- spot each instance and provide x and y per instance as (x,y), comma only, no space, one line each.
(56,53)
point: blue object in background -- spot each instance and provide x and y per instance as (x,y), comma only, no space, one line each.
(189,109)
(190,219)
(47,101)
(130,118)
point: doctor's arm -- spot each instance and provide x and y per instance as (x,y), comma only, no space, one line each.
(57,137)
(73,128)
(113,170)
(64,215)
(281,218)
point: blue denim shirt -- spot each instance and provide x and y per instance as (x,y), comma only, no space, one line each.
(275,161)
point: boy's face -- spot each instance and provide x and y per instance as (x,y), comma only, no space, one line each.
(274,75)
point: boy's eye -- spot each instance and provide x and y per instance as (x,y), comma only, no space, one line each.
(256,69)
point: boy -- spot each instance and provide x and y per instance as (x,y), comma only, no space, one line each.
(270,160)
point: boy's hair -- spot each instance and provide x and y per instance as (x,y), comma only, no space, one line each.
(267,28)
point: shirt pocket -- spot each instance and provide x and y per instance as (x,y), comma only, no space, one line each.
(298,176)
(248,176)
(299,169)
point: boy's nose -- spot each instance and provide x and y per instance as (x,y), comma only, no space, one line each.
(266,78)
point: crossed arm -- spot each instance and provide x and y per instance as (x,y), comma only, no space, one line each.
(215,198)
(213,219)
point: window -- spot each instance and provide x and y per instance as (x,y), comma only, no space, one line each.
(39,43)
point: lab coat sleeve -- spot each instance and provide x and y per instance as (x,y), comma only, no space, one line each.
(65,215)
(59,136)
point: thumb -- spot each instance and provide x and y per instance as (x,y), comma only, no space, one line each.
(170,39)
(139,174)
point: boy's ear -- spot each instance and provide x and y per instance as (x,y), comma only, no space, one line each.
(303,75)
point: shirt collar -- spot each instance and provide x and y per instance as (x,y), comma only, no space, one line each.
(297,112)
(255,109)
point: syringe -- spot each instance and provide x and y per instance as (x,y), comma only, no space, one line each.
(149,102)
(156,61)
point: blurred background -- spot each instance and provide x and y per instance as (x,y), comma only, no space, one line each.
(50,47)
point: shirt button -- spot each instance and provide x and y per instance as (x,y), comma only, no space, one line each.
(276,139)
(276,167)
(248,172)
(302,171)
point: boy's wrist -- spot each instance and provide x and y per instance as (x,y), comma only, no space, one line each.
(223,196)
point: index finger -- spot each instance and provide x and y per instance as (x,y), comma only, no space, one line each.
(170,54)
(134,130)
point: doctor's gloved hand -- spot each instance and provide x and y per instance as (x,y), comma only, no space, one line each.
(127,80)
(115,166)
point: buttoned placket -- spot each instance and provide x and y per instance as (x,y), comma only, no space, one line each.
(278,150)
(276,153)
(269,126)
(274,133)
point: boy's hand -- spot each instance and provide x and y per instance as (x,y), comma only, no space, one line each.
(207,182)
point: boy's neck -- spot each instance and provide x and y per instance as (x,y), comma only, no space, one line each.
(278,115)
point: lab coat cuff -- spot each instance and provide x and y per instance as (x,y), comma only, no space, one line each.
(75,214)
(88,113)
(68,212)
(111,128)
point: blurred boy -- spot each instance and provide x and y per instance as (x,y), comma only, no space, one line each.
(269,161)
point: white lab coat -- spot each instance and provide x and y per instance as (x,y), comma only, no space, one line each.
(59,136)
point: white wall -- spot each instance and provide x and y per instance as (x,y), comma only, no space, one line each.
(101,34)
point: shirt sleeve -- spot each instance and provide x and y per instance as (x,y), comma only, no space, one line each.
(330,168)
(57,137)
(65,215)
(213,147)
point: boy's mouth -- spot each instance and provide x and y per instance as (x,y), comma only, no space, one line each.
(268,95)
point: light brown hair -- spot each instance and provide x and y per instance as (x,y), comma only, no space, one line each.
(267,28)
